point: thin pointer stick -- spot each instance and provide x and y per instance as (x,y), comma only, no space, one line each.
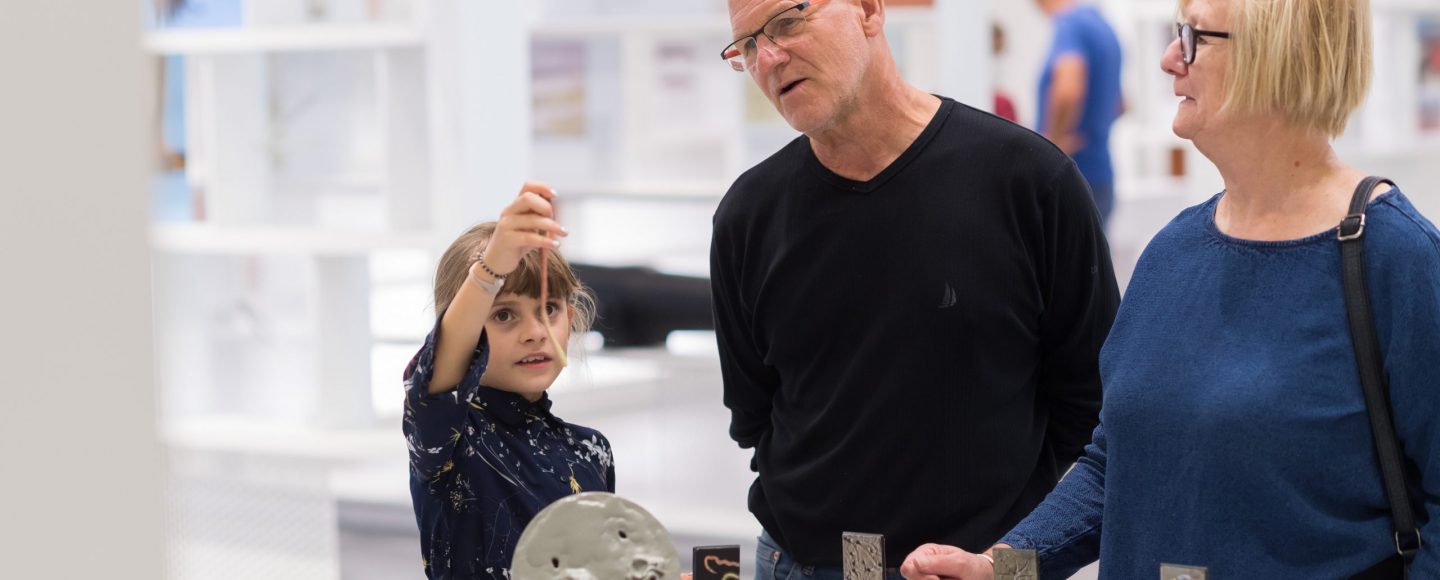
(544,303)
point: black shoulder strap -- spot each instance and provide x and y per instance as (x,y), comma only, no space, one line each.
(1372,379)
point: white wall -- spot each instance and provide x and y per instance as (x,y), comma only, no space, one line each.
(80,493)
(1017,70)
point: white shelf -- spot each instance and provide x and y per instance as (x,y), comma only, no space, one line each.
(1160,187)
(1422,6)
(910,15)
(1421,148)
(193,41)
(249,436)
(683,25)
(685,518)
(214,239)
(615,26)
(679,190)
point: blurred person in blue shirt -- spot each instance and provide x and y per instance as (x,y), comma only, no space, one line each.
(1080,93)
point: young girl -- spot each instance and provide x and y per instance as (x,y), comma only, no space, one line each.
(486,454)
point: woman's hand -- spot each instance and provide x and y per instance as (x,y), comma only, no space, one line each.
(937,562)
(525,224)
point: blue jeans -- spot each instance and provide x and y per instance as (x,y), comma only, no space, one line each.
(772,563)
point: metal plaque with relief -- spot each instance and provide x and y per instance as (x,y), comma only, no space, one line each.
(1177,572)
(1015,564)
(864,556)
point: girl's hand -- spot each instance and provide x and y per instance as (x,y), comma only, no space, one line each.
(527,223)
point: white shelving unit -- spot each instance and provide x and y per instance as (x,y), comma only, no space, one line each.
(205,239)
(312,147)
(314,150)
(1385,136)
(193,42)
(264,298)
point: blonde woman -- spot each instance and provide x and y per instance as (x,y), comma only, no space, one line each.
(1234,435)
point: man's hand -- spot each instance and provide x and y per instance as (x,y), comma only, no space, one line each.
(937,562)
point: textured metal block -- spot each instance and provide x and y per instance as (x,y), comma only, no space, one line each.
(864,556)
(1177,572)
(1015,564)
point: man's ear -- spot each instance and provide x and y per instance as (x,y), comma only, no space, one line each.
(873,14)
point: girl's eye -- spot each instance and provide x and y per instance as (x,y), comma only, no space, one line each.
(503,316)
(551,309)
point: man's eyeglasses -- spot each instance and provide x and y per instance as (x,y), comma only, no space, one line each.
(784,26)
(1191,36)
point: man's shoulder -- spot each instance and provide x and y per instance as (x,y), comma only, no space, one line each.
(974,133)
(760,182)
(778,166)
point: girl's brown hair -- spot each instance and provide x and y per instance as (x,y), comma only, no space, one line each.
(455,263)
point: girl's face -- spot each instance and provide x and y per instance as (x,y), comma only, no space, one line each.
(522,360)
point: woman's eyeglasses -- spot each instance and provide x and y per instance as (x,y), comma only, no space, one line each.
(1190,37)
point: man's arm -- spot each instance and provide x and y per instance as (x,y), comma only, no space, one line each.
(1064,530)
(1081,298)
(750,385)
(1066,102)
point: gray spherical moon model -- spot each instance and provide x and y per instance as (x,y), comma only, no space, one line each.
(595,536)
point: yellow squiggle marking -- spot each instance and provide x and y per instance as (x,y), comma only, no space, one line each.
(713,561)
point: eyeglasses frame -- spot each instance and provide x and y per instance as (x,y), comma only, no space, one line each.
(1195,34)
(801,6)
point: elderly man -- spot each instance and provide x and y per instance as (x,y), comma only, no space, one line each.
(909,299)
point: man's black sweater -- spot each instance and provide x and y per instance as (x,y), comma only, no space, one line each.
(913,355)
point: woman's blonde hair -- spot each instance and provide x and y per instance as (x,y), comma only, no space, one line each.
(1309,60)
(524,281)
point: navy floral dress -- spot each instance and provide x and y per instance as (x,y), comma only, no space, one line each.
(483,462)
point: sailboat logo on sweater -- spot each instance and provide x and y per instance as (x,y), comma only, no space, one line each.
(948,299)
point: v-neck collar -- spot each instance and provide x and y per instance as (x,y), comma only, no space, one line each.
(933,128)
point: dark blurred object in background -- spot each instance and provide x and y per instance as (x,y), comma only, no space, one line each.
(638,306)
